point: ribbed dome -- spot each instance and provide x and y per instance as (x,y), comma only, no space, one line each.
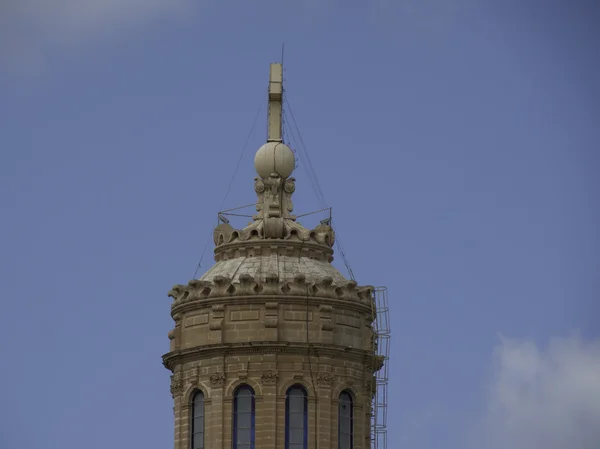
(285,267)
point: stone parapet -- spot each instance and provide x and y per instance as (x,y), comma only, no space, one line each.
(223,287)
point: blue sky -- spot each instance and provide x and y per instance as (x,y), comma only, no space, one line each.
(457,142)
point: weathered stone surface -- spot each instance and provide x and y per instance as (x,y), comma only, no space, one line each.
(286,267)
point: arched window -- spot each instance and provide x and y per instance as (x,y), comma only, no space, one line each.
(296,418)
(243,418)
(197,430)
(345,421)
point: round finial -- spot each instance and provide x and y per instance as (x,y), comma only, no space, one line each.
(274,157)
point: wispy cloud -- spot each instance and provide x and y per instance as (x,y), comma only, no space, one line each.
(543,398)
(27,27)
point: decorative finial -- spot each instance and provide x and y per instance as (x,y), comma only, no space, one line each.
(275,157)
(274,162)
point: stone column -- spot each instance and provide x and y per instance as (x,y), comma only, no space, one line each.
(361,428)
(280,421)
(214,414)
(324,410)
(266,416)
(176,392)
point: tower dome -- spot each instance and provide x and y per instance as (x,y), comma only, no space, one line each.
(272,347)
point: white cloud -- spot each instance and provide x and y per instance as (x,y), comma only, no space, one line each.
(546,399)
(27,27)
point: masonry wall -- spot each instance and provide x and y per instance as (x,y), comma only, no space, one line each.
(270,375)
(271,342)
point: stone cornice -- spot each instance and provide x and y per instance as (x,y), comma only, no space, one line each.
(247,300)
(224,349)
(265,247)
(223,289)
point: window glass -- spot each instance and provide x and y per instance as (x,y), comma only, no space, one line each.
(197,431)
(345,421)
(243,418)
(296,420)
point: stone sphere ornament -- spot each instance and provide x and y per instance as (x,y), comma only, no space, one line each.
(274,157)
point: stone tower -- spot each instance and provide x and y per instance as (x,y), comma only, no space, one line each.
(273,348)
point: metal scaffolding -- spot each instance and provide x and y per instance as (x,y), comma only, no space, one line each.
(381,343)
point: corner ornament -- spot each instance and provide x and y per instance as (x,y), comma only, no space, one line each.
(176,387)
(325,379)
(217,379)
(269,377)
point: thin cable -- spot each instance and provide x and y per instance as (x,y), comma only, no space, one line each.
(309,345)
(242,153)
(304,167)
(318,191)
(237,208)
(231,182)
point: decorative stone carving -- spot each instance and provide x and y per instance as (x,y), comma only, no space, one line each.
(326,311)
(325,379)
(176,386)
(216,317)
(194,374)
(271,314)
(369,385)
(217,379)
(269,377)
(274,219)
(298,370)
(243,372)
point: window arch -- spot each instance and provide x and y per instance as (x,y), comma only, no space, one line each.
(296,418)
(197,430)
(243,418)
(345,421)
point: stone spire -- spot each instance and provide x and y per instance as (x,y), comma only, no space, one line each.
(275,103)
(274,163)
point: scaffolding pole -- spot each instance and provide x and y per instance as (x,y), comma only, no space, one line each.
(381,349)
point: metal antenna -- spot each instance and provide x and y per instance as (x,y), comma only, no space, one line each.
(282,94)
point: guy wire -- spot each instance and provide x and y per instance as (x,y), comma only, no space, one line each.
(231,182)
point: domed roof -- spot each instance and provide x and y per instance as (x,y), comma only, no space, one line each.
(285,267)
(274,244)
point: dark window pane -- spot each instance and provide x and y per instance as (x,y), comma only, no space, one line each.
(198,425)
(243,436)
(296,422)
(244,420)
(296,405)
(296,436)
(197,430)
(345,421)
(345,442)
(296,418)
(244,392)
(244,405)
(198,442)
